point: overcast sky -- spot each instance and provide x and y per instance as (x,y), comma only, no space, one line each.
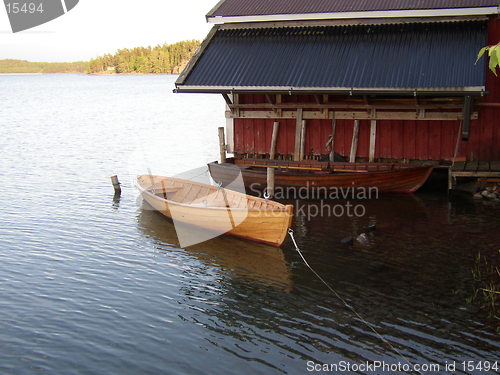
(95,27)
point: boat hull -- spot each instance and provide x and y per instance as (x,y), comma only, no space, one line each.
(268,226)
(401,180)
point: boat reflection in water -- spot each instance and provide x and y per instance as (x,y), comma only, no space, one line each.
(260,264)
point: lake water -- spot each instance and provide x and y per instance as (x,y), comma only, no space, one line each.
(93,285)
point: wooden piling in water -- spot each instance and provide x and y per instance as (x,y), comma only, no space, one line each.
(116,185)
(222,145)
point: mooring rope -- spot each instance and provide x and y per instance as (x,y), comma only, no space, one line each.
(368,324)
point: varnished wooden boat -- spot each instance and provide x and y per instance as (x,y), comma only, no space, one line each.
(387,178)
(217,209)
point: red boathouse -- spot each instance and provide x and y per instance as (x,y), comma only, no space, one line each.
(380,81)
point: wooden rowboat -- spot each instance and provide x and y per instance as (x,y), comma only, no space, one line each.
(387,178)
(217,210)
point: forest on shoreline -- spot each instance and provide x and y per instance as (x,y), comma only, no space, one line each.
(165,59)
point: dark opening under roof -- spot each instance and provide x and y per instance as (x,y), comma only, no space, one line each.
(235,8)
(400,58)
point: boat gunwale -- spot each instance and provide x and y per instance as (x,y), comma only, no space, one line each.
(279,207)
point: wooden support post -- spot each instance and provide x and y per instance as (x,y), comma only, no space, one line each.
(373,136)
(302,140)
(332,143)
(270,182)
(298,132)
(272,155)
(354,144)
(274,140)
(222,145)
(450,179)
(467,114)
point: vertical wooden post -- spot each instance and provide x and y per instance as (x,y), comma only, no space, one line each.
(270,182)
(302,140)
(373,135)
(354,144)
(274,140)
(272,155)
(116,185)
(298,133)
(332,144)
(222,145)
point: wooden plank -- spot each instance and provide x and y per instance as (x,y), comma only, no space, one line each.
(298,133)
(483,166)
(459,166)
(354,143)
(373,133)
(349,115)
(471,166)
(495,165)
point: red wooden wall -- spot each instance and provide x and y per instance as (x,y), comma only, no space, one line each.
(415,140)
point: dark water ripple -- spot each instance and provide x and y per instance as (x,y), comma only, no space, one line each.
(93,285)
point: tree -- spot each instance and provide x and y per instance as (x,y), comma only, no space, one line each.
(494,56)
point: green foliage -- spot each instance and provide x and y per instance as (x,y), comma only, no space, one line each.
(166,59)
(494,56)
(23,66)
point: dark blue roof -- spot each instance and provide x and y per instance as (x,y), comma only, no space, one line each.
(230,8)
(436,56)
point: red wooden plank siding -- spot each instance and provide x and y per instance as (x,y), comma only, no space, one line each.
(414,140)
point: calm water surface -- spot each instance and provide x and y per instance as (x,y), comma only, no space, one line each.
(92,285)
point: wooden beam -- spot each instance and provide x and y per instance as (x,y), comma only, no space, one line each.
(274,139)
(466,116)
(227,99)
(302,140)
(269,99)
(373,135)
(347,115)
(354,143)
(278,110)
(298,133)
(355,105)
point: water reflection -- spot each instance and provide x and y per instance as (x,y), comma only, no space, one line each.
(261,264)
(116,201)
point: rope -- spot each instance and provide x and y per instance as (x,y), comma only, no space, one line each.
(369,325)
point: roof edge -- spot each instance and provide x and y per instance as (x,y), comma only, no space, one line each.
(194,60)
(349,22)
(446,12)
(214,9)
(413,91)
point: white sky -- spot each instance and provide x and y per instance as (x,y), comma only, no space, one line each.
(96,27)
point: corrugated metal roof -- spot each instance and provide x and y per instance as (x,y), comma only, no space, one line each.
(378,57)
(232,8)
